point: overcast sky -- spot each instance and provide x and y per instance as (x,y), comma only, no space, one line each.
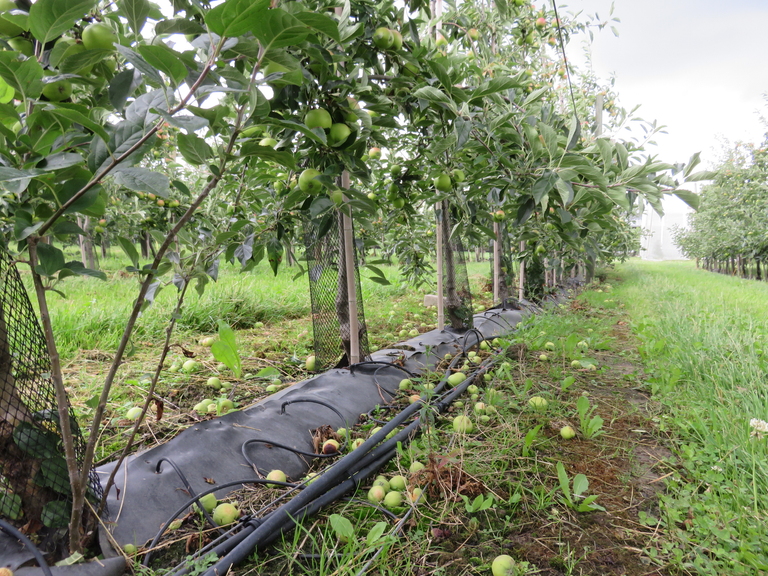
(697,66)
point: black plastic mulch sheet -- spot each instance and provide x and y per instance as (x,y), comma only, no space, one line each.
(209,453)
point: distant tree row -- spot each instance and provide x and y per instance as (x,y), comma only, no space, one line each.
(729,232)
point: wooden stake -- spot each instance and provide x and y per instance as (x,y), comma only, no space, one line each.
(496,262)
(599,115)
(437,11)
(349,264)
(440,297)
(521,289)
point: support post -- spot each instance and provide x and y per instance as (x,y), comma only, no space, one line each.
(496,262)
(437,11)
(521,288)
(440,295)
(598,115)
(349,264)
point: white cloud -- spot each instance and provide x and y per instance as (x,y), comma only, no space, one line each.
(696,66)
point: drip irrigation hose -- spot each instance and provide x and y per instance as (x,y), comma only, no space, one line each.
(5,527)
(490,318)
(243,448)
(189,489)
(398,528)
(384,408)
(371,463)
(322,403)
(369,505)
(323,491)
(195,500)
(383,365)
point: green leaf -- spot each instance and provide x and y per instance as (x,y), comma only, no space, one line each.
(565,189)
(580,484)
(142,180)
(582,405)
(76,268)
(236,17)
(130,250)
(279,29)
(432,95)
(136,12)
(37,442)
(550,139)
(12,175)
(342,527)
(24,76)
(122,86)
(689,198)
(49,19)
(165,60)
(606,152)
(562,477)
(574,134)
(53,474)
(79,118)
(619,195)
(51,260)
(274,253)
(703,175)
(84,203)
(692,163)
(535,95)
(225,354)
(441,74)
(321,23)
(543,185)
(65,228)
(23,225)
(10,506)
(195,150)
(463,129)
(268,372)
(178,26)
(268,153)
(56,514)
(259,105)
(493,86)
(139,63)
(76,62)
(375,533)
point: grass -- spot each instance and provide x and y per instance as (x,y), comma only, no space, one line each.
(704,338)
(512,485)
(94,312)
(693,339)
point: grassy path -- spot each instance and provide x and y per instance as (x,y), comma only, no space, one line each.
(704,341)
(679,372)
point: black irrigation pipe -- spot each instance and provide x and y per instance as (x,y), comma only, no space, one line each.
(243,448)
(195,500)
(366,459)
(383,365)
(358,466)
(5,527)
(189,489)
(370,463)
(373,461)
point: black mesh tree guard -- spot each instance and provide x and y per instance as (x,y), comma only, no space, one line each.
(324,241)
(458,298)
(34,481)
(507,277)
